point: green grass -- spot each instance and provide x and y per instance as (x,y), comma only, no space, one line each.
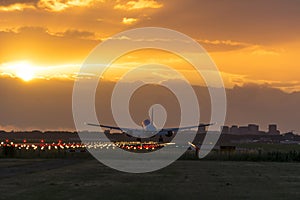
(271,147)
(88,179)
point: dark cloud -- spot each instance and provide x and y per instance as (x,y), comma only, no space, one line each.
(263,105)
(78,34)
(11,2)
(257,21)
(40,104)
(28,30)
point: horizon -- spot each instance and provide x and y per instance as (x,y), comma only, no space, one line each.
(75,131)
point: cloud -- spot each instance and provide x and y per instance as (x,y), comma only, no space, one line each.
(139,4)
(17,7)
(223,42)
(63,71)
(263,105)
(69,33)
(49,5)
(252,22)
(31,29)
(129,21)
(73,33)
(11,2)
(232,80)
(60,5)
(222,45)
(285,86)
(258,50)
(51,106)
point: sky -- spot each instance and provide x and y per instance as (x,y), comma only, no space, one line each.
(255,45)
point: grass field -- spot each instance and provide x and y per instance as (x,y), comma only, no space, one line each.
(184,179)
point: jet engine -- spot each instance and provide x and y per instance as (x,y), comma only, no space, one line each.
(169,134)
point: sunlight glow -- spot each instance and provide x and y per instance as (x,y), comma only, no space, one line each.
(28,71)
(23,70)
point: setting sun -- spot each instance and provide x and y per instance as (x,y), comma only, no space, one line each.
(25,71)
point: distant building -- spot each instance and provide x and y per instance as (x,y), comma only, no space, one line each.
(234,129)
(273,130)
(253,129)
(225,130)
(289,136)
(243,130)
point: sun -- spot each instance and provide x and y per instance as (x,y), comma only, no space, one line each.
(24,70)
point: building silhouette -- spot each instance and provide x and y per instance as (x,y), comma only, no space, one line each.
(273,130)
(251,129)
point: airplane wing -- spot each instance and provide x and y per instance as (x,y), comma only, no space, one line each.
(104,126)
(111,127)
(184,128)
(165,130)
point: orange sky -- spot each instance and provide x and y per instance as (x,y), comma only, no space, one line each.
(251,42)
(255,44)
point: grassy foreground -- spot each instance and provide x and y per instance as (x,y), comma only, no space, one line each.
(184,179)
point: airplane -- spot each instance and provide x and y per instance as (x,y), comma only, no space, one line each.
(148,129)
